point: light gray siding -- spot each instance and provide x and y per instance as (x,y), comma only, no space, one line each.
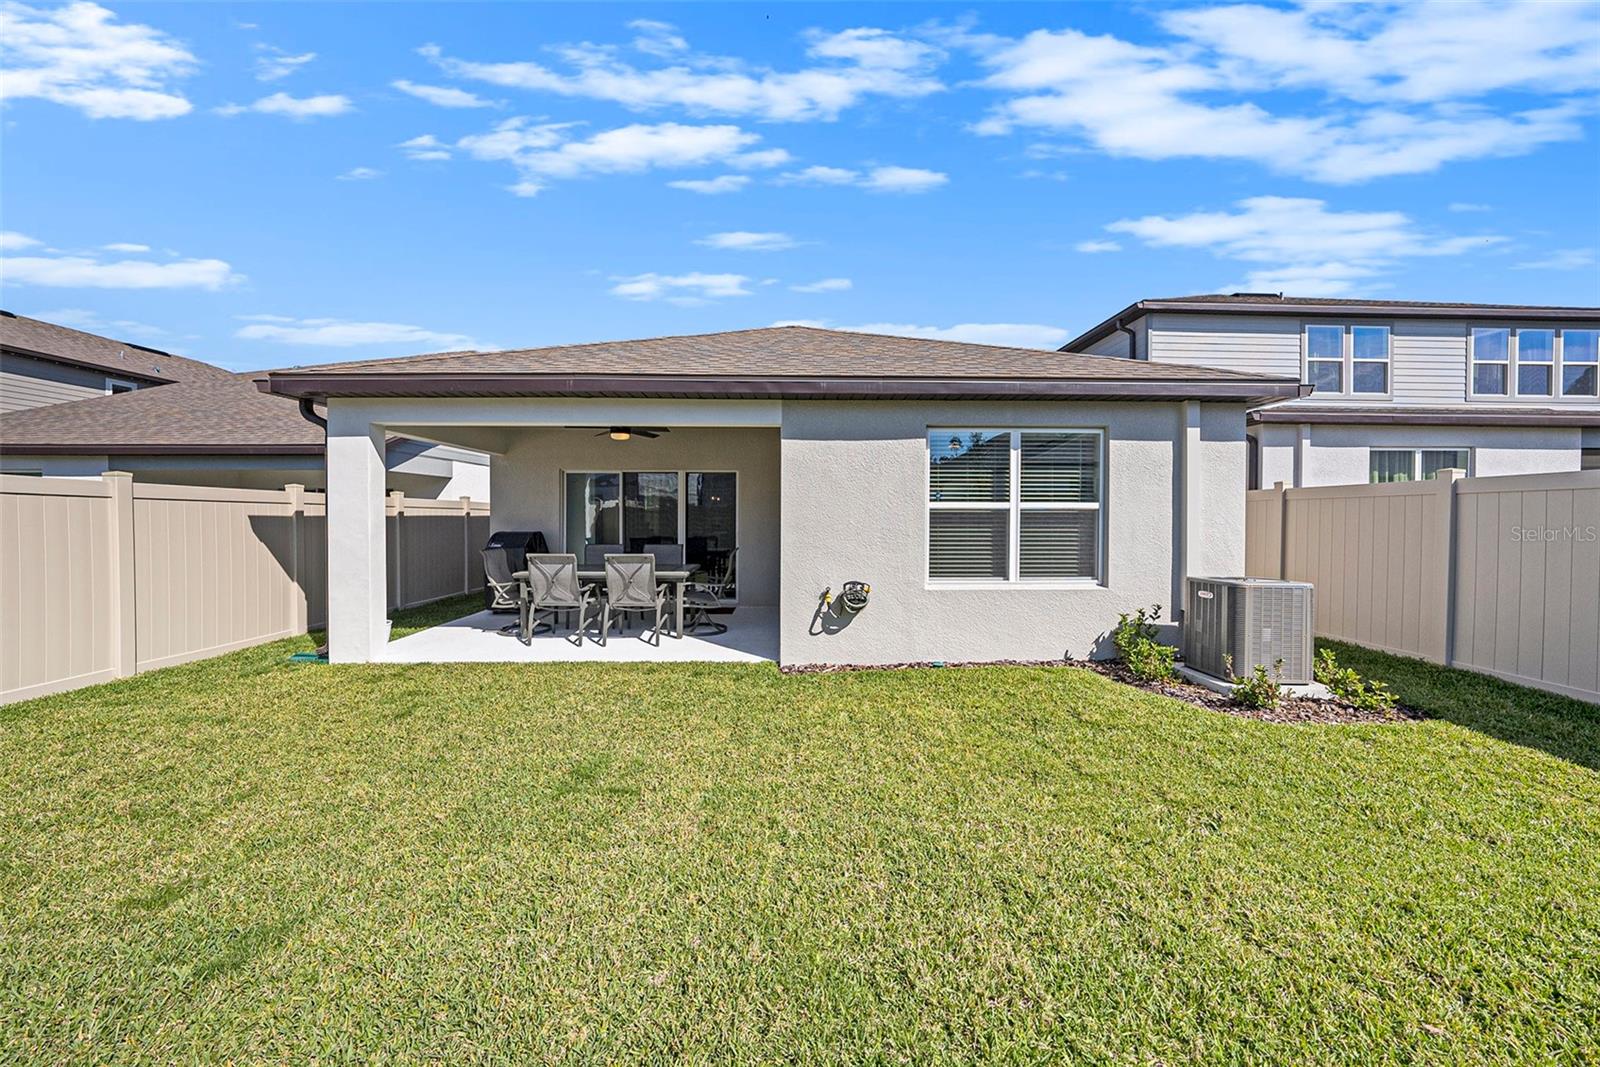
(1260,344)
(1114,343)
(34,383)
(1430,362)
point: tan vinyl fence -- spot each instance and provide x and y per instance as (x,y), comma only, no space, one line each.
(102,578)
(1498,575)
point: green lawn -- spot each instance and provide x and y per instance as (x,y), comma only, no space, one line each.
(251,860)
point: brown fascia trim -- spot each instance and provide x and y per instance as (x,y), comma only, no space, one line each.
(322,386)
(124,449)
(1488,314)
(68,361)
(1412,417)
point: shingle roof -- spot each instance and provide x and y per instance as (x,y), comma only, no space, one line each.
(791,361)
(1277,304)
(226,415)
(39,338)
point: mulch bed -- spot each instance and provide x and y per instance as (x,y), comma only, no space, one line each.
(1292,710)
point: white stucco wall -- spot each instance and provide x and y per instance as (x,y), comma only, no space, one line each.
(1338,455)
(854,507)
(526,484)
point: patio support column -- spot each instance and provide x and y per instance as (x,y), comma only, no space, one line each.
(358,625)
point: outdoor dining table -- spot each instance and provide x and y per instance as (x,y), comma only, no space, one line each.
(674,578)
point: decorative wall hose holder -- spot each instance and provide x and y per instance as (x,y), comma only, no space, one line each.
(853,597)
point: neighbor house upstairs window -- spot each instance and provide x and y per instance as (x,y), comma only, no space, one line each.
(1536,362)
(1325,358)
(1014,505)
(1580,362)
(1491,360)
(1358,355)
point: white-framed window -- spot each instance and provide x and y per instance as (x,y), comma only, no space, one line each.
(1410,464)
(1357,355)
(117,385)
(1580,362)
(1536,362)
(1015,506)
(1325,358)
(1491,360)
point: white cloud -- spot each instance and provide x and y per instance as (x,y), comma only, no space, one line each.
(875,179)
(342,333)
(824,285)
(687,290)
(298,108)
(1562,259)
(722,183)
(1297,246)
(442,96)
(1093,247)
(11,240)
(360,174)
(80,56)
(544,152)
(276,63)
(425,148)
(657,38)
(123,246)
(1399,87)
(1460,205)
(90,271)
(849,67)
(84,319)
(1006,334)
(748,241)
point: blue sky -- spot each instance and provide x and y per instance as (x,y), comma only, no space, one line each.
(275,184)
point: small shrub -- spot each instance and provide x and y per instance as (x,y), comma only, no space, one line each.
(1258,689)
(1348,686)
(1135,637)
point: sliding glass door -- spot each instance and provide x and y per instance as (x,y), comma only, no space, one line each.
(696,509)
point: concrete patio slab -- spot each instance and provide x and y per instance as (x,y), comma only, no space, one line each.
(752,637)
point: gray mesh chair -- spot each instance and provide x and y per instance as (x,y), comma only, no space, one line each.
(508,593)
(553,587)
(700,599)
(631,586)
(595,555)
(669,557)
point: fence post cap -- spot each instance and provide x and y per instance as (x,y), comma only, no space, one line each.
(1277,487)
(117,474)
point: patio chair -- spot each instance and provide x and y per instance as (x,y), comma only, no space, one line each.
(700,599)
(669,557)
(595,555)
(508,593)
(631,586)
(553,587)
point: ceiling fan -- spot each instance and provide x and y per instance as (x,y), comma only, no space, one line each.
(623,433)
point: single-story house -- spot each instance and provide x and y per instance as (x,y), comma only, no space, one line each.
(212,427)
(1001,503)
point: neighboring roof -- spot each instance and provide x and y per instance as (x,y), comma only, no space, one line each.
(1278,304)
(1417,415)
(797,362)
(224,416)
(61,344)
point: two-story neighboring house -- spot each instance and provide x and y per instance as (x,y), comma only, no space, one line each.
(75,404)
(1402,388)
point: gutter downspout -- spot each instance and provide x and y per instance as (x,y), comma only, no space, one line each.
(1133,339)
(308,411)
